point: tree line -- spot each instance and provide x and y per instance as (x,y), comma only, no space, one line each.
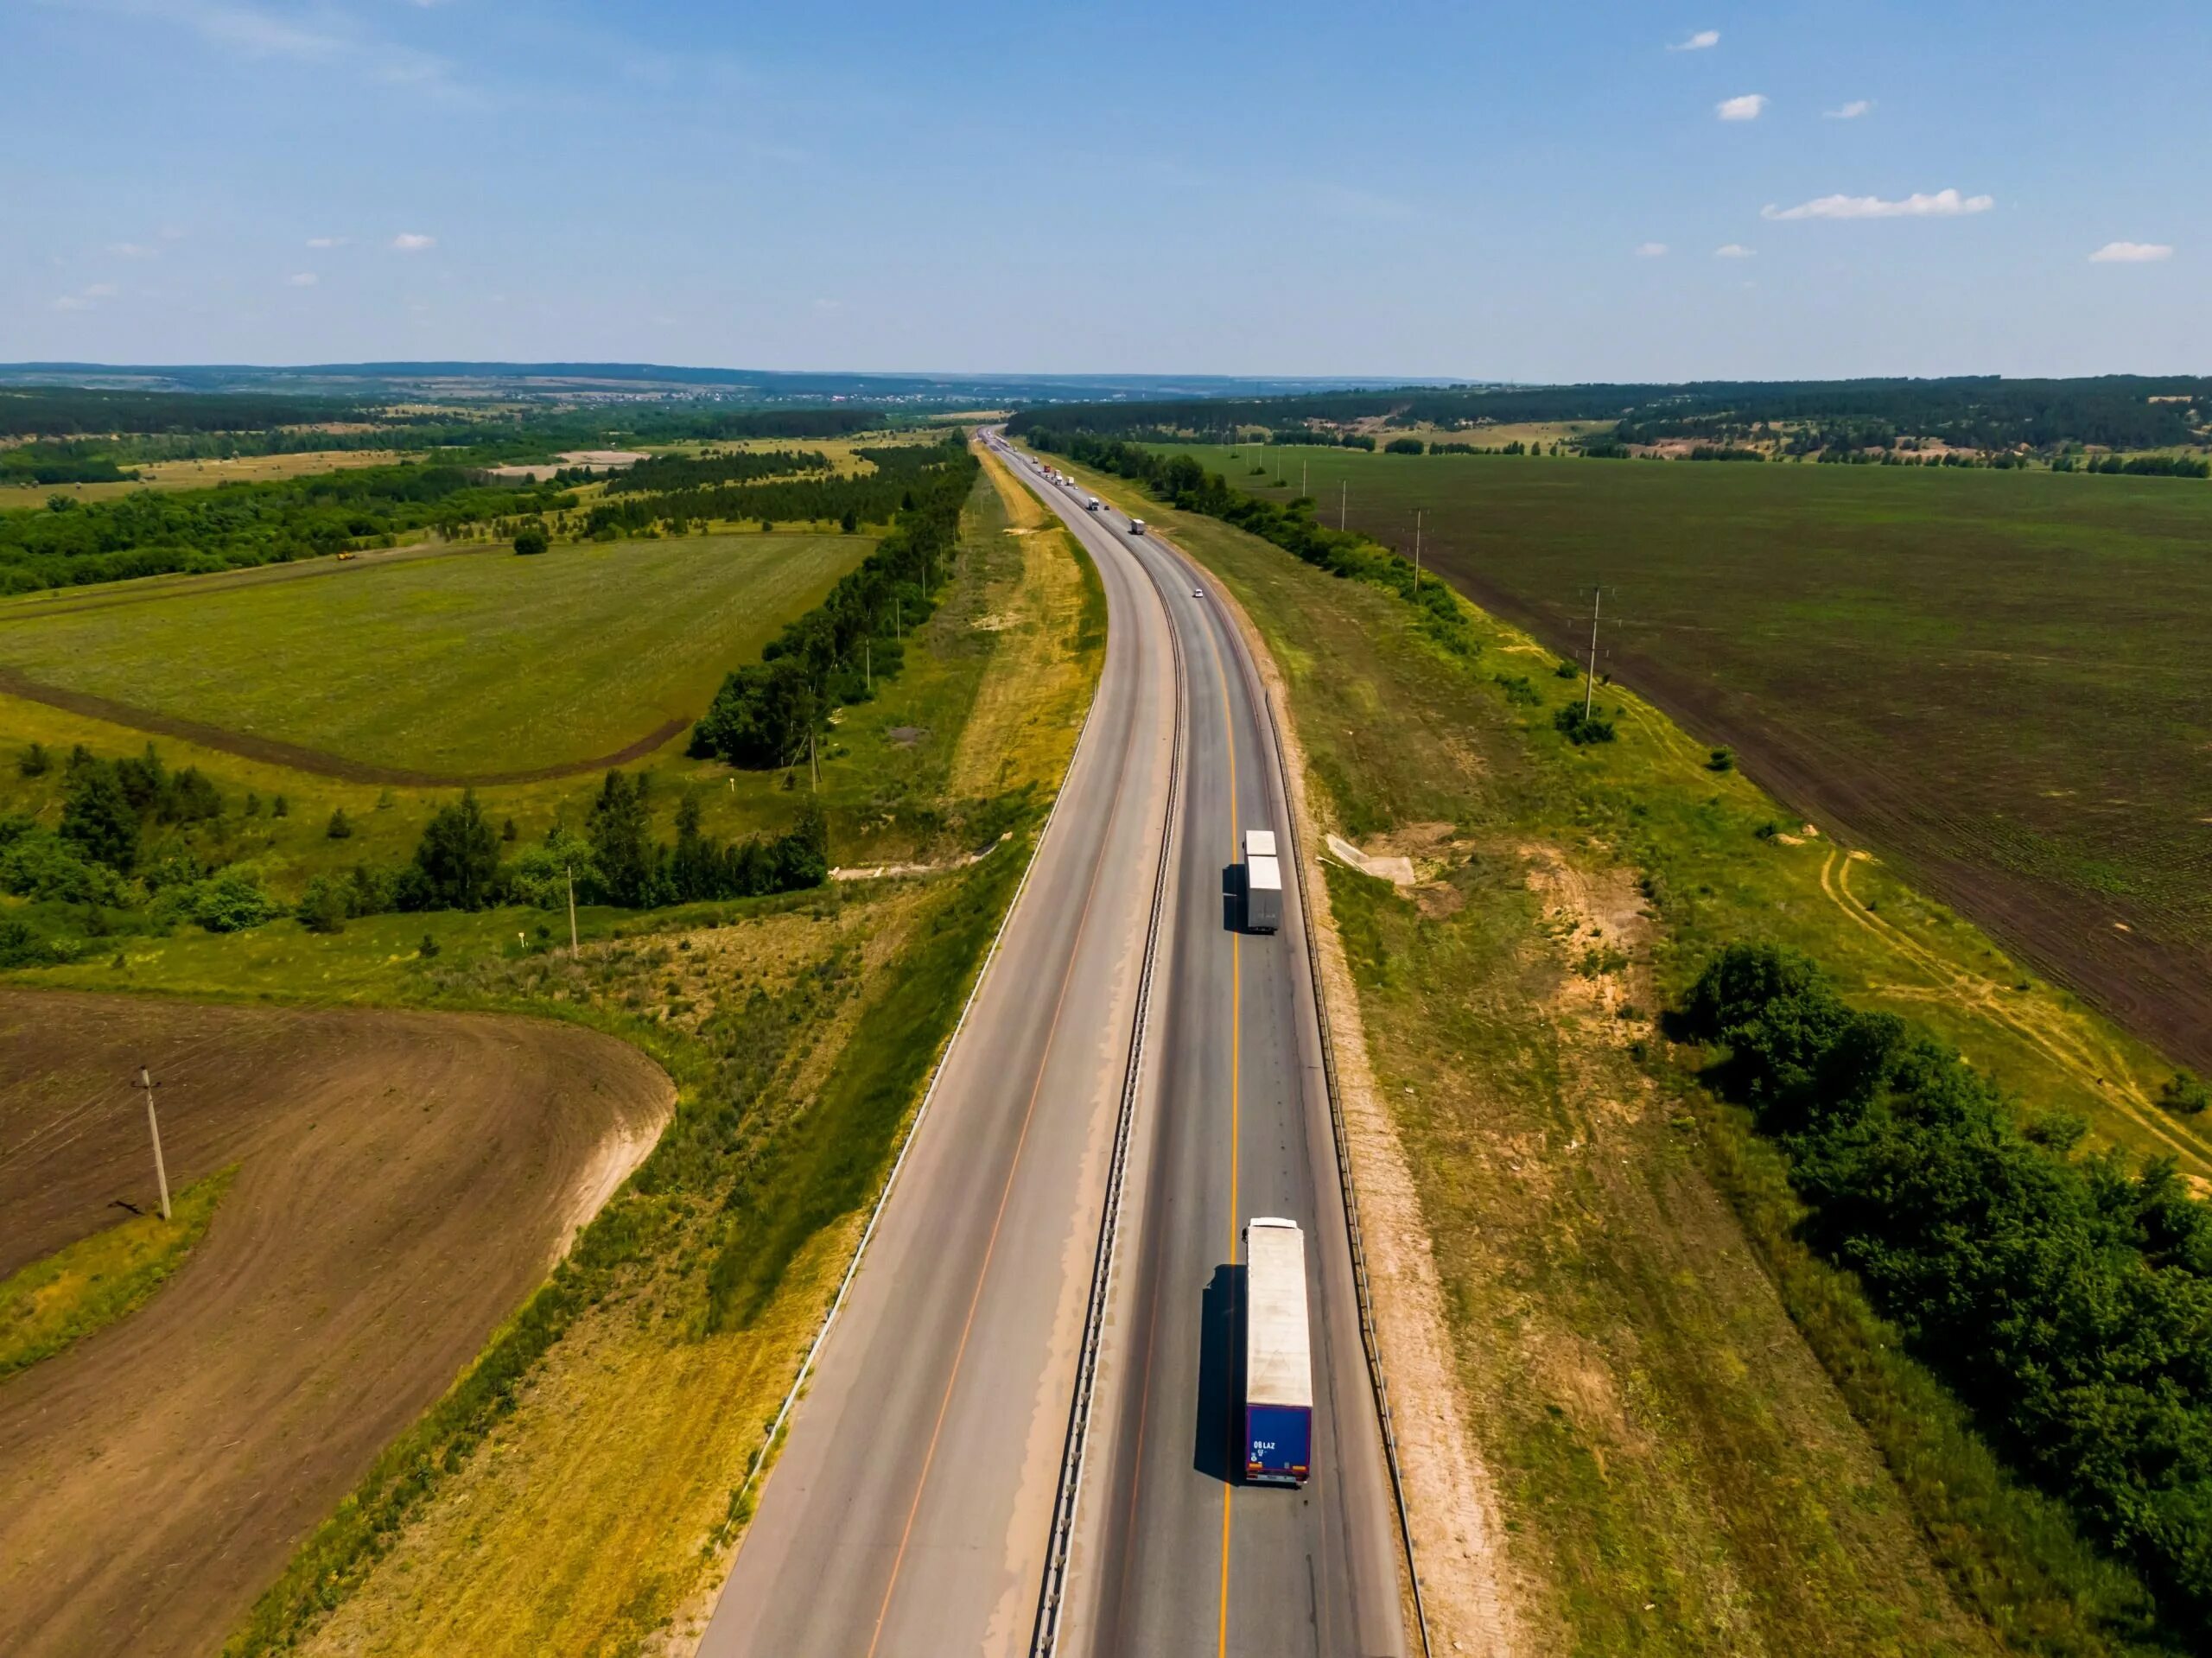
(1980,412)
(665,473)
(766,712)
(2065,1297)
(905,474)
(461,862)
(152,532)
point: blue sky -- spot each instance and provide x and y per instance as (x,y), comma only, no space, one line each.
(1411,188)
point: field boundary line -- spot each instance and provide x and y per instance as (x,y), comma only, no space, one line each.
(314,762)
(1370,1340)
(763,1456)
(1074,1458)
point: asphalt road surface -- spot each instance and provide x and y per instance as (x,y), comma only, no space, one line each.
(909,1514)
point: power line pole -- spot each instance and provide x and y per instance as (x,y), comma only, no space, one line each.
(1590,685)
(1417,512)
(813,769)
(1344,492)
(868,666)
(568,873)
(154,1128)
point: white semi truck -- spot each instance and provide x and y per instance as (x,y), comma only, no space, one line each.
(1278,1355)
(1262,882)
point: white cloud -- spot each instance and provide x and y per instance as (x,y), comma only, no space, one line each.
(1704,40)
(1733,250)
(302,279)
(1651,250)
(88,298)
(1944,204)
(1850,111)
(328,241)
(2131,253)
(1746,108)
(413,242)
(259,33)
(131,250)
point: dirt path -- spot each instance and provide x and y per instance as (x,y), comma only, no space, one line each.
(2072,1047)
(404,1181)
(315,761)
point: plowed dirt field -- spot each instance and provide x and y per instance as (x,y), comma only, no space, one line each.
(405,1180)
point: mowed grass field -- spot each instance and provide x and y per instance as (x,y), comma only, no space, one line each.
(202,475)
(2000,680)
(469,663)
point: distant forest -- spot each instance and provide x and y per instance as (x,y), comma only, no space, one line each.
(2113,412)
(71,436)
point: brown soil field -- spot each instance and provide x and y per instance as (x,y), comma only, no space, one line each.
(405,1180)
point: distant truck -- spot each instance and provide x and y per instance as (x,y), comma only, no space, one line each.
(1136,526)
(1278,1355)
(1090,503)
(1262,882)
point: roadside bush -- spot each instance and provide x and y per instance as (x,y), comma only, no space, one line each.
(230,900)
(34,761)
(1566,670)
(322,907)
(456,862)
(342,827)
(1405,446)
(2067,1300)
(1518,690)
(37,863)
(2185,1092)
(1721,760)
(532,539)
(21,947)
(1582,729)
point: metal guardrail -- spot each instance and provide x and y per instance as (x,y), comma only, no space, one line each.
(1053,1596)
(1370,1340)
(1047,1631)
(765,1455)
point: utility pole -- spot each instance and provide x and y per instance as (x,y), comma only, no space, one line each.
(568,873)
(868,666)
(1417,512)
(813,769)
(1343,491)
(1302,478)
(154,1127)
(1590,685)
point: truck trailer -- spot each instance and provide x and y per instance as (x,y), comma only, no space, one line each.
(1263,894)
(1278,1358)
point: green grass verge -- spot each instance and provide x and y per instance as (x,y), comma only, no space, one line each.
(90,1284)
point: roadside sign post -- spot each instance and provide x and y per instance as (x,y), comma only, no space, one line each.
(154,1128)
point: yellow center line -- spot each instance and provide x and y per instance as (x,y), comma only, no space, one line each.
(1235,1080)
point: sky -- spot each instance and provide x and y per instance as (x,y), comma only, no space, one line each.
(1523,192)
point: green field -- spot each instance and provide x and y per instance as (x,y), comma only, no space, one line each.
(469,663)
(1999,679)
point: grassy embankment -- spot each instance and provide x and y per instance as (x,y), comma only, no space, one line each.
(575,1492)
(1987,677)
(1679,1469)
(88,1286)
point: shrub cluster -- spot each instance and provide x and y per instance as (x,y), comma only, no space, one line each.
(2067,1300)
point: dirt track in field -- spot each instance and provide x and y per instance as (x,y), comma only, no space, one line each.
(405,1180)
(315,761)
(267,750)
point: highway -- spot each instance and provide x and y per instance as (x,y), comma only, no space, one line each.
(911,1511)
